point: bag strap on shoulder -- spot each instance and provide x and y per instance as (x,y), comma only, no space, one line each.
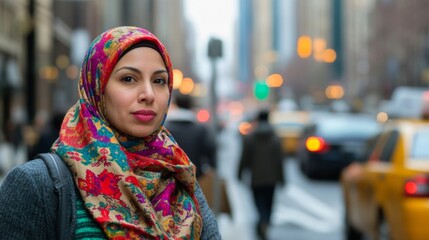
(59,173)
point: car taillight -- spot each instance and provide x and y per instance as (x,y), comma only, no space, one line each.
(203,115)
(417,186)
(316,144)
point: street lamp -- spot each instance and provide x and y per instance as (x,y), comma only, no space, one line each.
(304,47)
(274,80)
(178,77)
(214,52)
(187,86)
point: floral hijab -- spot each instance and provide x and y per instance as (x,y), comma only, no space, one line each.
(134,188)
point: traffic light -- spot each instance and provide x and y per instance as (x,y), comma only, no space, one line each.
(261,90)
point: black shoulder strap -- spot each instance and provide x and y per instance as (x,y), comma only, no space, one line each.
(59,173)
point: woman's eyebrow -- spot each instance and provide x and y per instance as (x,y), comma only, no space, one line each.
(161,71)
(128,68)
(136,70)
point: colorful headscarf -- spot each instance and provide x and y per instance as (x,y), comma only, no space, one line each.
(134,188)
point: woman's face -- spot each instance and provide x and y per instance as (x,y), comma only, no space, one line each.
(136,94)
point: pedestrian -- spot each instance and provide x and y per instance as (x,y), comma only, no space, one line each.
(199,144)
(132,180)
(14,129)
(47,136)
(262,157)
(33,132)
(193,137)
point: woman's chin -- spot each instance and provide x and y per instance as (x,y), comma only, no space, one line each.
(140,133)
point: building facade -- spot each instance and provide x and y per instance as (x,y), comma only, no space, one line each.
(43,42)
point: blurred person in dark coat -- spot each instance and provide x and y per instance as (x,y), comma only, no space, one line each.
(193,137)
(262,157)
(49,134)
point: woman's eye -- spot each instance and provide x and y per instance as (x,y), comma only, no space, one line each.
(127,79)
(160,81)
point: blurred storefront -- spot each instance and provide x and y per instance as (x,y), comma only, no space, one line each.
(25,45)
(398,47)
(11,60)
(43,42)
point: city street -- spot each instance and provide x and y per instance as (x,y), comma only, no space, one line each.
(346,84)
(303,209)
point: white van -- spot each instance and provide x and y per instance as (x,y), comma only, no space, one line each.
(408,102)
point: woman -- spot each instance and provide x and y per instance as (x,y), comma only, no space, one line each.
(132,180)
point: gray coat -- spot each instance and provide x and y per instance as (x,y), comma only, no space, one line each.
(28,205)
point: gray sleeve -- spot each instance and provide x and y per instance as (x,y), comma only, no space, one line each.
(210,227)
(23,214)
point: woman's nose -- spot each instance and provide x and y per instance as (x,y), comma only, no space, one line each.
(146,92)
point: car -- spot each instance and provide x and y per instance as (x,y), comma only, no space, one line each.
(387,196)
(407,102)
(289,126)
(333,141)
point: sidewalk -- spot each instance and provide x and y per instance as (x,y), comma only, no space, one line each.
(240,225)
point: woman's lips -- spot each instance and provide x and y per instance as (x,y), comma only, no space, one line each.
(144,115)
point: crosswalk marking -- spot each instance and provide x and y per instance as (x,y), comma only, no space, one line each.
(313,214)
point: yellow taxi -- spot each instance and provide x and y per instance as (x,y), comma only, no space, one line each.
(289,126)
(387,196)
